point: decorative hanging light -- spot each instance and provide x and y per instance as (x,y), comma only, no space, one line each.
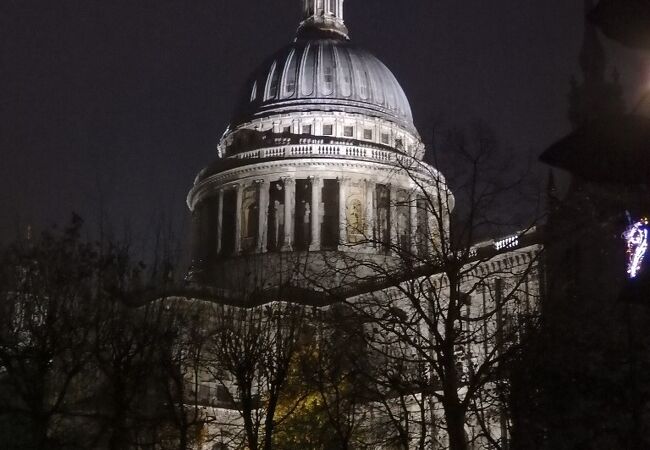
(636,237)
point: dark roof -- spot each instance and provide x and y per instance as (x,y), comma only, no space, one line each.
(323,74)
(613,149)
(626,21)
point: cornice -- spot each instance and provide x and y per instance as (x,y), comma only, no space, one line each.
(286,167)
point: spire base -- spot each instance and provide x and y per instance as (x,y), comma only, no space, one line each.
(323,16)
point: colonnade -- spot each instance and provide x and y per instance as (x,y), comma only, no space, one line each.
(360,217)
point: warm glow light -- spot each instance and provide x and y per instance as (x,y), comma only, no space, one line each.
(636,237)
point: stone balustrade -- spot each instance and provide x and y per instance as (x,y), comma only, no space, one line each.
(323,151)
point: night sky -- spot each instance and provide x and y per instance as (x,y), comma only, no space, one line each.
(114,106)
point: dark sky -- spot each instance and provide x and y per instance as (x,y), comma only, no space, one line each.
(114,105)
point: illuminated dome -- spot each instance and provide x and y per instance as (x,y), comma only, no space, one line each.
(320,160)
(325,72)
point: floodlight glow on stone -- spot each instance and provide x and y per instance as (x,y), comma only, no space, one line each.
(637,245)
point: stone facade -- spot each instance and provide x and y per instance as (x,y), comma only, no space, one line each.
(322,168)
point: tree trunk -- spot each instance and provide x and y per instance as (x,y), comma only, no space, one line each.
(249,426)
(118,423)
(456,426)
(454,411)
(269,423)
(41,425)
(182,438)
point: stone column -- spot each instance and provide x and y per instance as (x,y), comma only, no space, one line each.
(289,185)
(413,221)
(370,211)
(219,220)
(343,220)
(316,187)
(238,206)
(394,238)
(263,214)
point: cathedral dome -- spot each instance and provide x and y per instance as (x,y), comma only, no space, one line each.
(314,165)
(323,71)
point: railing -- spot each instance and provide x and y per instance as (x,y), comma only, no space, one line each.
(321,150)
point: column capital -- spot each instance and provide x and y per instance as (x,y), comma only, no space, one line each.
(315,180)
(288,180)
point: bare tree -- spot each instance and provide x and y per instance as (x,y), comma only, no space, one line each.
(48,290)
(335,373)
(249,356)
(453,301)
(126,353)
(80,360)
(397,382)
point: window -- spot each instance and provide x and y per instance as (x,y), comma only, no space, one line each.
(346,89)
(291,86)
(399,144)
(327,63)
(328,76)
(286,129)
(385,138)
(348,131)
(306,129)
(367,134)
(204,393)
(328,130)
